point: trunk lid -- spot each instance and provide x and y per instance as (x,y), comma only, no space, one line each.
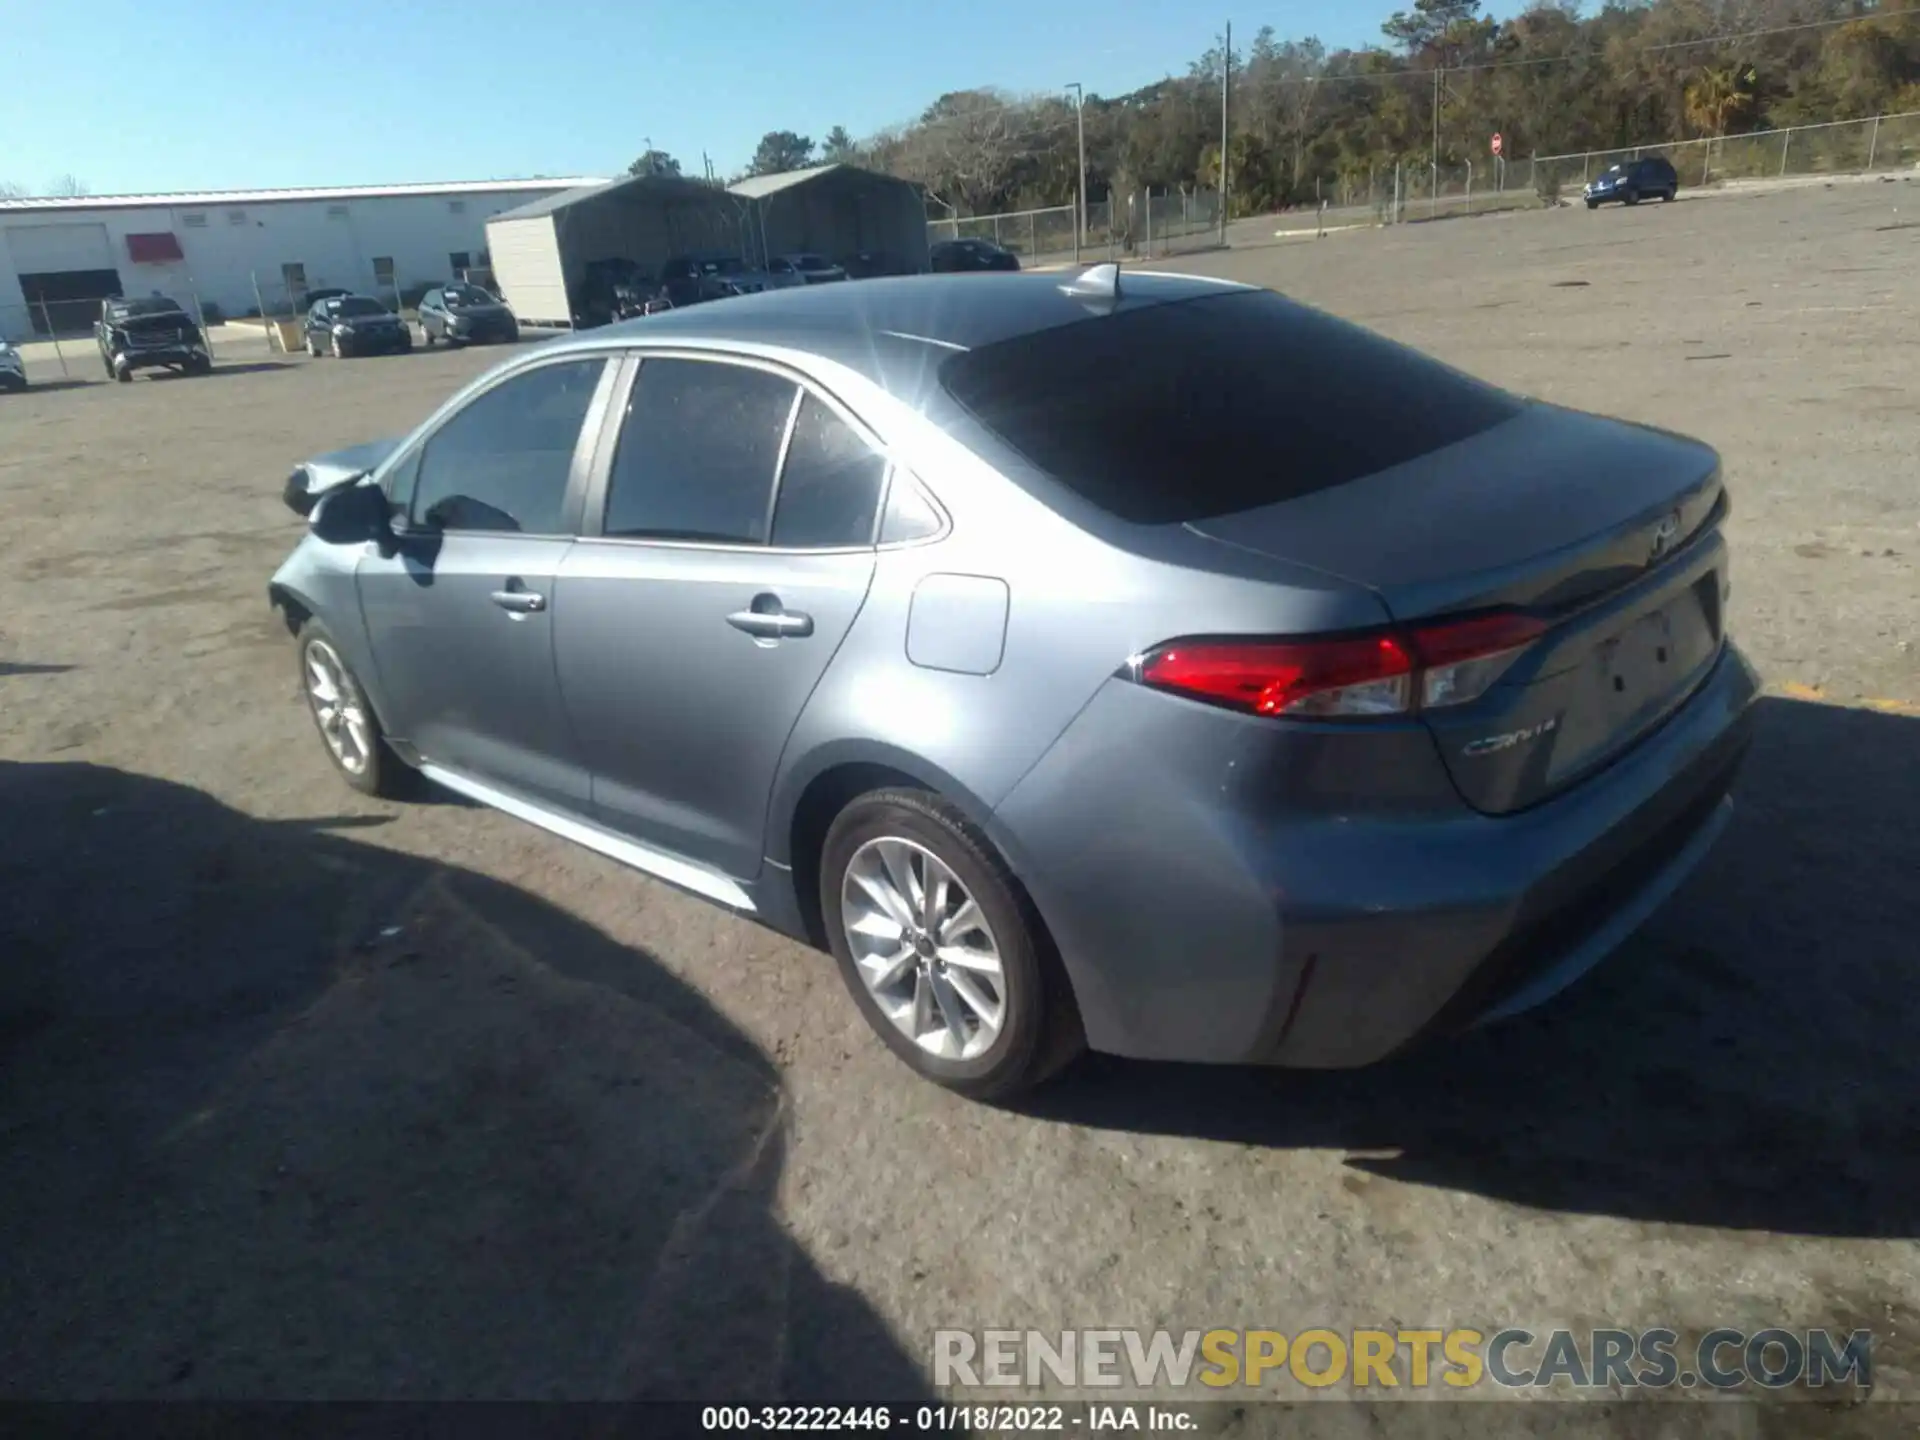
(1607,530)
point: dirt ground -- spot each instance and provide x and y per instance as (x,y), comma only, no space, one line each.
(305,1095)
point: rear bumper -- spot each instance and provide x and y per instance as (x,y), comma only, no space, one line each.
(391,344)
(152,358)
(484,334)
(1334,940)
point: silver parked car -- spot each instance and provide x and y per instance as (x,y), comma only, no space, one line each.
(805,268)
(1154,664)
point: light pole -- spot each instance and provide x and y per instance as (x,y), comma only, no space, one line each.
(1226,94)
(1080,120)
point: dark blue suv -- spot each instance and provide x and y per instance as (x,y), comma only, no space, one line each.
(1637,180)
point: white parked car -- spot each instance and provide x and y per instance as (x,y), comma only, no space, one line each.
(13,369)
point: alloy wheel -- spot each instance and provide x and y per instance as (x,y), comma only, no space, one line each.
(338,709)
(923,948)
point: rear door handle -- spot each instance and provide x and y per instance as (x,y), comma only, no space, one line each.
(768,620)
(518,601)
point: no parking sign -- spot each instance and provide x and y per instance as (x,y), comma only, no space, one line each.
(1496,142)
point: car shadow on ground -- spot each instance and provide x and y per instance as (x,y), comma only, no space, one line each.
(287,1115)
(38,386)
(226,367)
(1749,1060)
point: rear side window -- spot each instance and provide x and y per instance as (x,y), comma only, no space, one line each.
(698,452)
(1185,411)
(830,486)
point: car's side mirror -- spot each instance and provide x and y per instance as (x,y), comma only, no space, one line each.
(352,515)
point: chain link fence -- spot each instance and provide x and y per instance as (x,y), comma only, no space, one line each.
(1167,222)
(1139,225)
(1883,144)
(57,341)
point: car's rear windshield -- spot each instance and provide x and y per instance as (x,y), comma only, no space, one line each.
(148,307)
(357,305)
(1188,410)
(467,295)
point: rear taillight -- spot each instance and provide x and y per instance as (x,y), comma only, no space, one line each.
(1421,667)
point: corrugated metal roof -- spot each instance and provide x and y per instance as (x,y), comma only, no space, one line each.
(664,184)
(758,187)
(216,198)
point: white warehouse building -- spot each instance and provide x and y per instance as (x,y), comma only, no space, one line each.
(240,250)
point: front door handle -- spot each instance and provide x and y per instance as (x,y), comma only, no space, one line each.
(768,619)
(518,601)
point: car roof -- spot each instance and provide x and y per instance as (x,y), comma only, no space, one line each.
(886,328)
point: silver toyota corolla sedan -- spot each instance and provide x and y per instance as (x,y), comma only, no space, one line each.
(1139,662)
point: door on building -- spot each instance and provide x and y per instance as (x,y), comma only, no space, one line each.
(65,272)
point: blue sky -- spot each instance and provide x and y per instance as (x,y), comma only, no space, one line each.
(347,92)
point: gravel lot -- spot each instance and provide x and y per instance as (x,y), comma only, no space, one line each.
(304,1095)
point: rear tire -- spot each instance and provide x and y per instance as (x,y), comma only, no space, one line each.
(1631,197)
(350,732)
(1666,197)
(929,987)
(1593,204)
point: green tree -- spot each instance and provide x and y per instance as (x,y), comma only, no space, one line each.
(780,151)
(1416,29)
(839,147)
(654,162)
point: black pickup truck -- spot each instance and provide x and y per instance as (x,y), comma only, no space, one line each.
(149,334)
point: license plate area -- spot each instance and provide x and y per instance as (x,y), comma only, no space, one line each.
(1659,649)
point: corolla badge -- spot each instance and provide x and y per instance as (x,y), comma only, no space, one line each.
(1494,744)
(1664,534)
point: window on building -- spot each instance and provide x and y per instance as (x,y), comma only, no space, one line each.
(236,217)
(456,207)
(194,220)
(459,261)
(295,275)
(383,269)
(336,212)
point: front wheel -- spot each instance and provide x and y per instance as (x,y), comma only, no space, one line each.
(348,727)
(941,949)
(1593,204)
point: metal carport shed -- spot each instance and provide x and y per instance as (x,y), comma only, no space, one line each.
(542,252)
(843,212)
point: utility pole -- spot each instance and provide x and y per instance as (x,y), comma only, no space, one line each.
(1080,118)
(1226,94)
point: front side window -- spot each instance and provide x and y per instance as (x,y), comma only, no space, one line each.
(502,463)
(698,451)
